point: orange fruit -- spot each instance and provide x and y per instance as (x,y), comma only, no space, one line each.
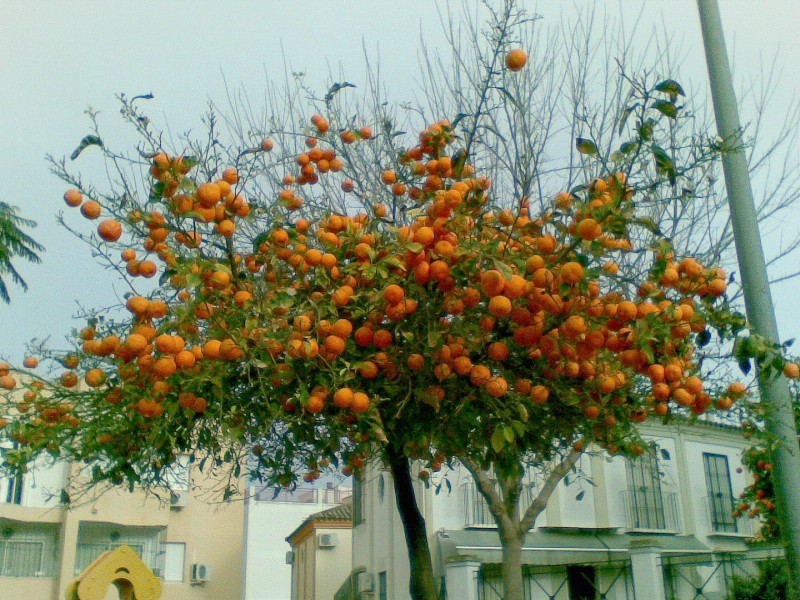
(91,209)
(185,359)
(334,344)
(492,282)
(208,194)
(539,394)
(368,370)
(164,366)
(94,377)
(479,375)
(230,176)
(500,306)
(226,228)
(589,229)
(516,59)
(30,362)
(626,311)
(572,272)
(393,294)
(342,328)
(496,387)
(360,402)
(497,351)
(364,336)
(135,343)
(314,404)
(791,370)
(343,397)
(73,198)
(415,362)
(388,177)
(382,339)
(110,230)
(7,382)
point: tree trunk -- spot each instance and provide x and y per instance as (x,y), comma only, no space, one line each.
(421,584)
(512,565)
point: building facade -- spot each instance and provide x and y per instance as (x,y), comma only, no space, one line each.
(194,546)
(270,518)
(660,527)
(321,553)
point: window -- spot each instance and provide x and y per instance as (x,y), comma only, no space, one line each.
(174,556)
(720,493)
(178,474)
(358,499)
(645,500)
(382,587)
(581,582)
(13,492)
(28,550)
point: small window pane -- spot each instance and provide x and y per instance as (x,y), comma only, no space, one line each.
(174,561)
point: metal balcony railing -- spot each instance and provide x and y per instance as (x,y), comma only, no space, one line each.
(303,495)
(476,510)
(649,509)
(86,554)
(720,509)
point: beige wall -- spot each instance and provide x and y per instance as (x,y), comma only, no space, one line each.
(332,565)
(213,534)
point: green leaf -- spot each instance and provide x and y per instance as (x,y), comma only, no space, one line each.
(585,146)
(666,108)
(703,338)
(665,164)
(415,247)
(671,87)
(508,433)
(259,239)
(624,117)
(580,495)
(645,130)
(336,88)
(504,269)
(498,440)
(89,140)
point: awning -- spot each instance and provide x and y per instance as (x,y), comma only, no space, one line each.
(554,546)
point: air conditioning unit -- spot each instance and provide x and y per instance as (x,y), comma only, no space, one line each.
(200,573)
(290,557)
(327,540)
(364,583)
(179,499)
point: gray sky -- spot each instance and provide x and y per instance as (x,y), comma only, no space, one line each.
(58,58)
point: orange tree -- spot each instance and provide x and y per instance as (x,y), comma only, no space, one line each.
(499,339)
(439,314)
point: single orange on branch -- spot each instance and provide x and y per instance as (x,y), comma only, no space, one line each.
(516,59)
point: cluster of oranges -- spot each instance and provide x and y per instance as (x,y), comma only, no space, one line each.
(445,328)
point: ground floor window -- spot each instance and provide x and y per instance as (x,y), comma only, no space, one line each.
(28,550)
(582,582)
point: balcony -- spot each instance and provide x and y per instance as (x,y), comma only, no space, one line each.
(304,495)
(476,511)
(96,538)
(651,510)
(28,549)
(720,509)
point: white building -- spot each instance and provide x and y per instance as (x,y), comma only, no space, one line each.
(269,519)
(321,553)
(657,528)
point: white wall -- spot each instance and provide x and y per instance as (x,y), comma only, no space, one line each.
(41,486)
(379,542)
(267,576)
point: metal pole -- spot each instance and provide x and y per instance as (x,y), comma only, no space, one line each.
(775,394)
